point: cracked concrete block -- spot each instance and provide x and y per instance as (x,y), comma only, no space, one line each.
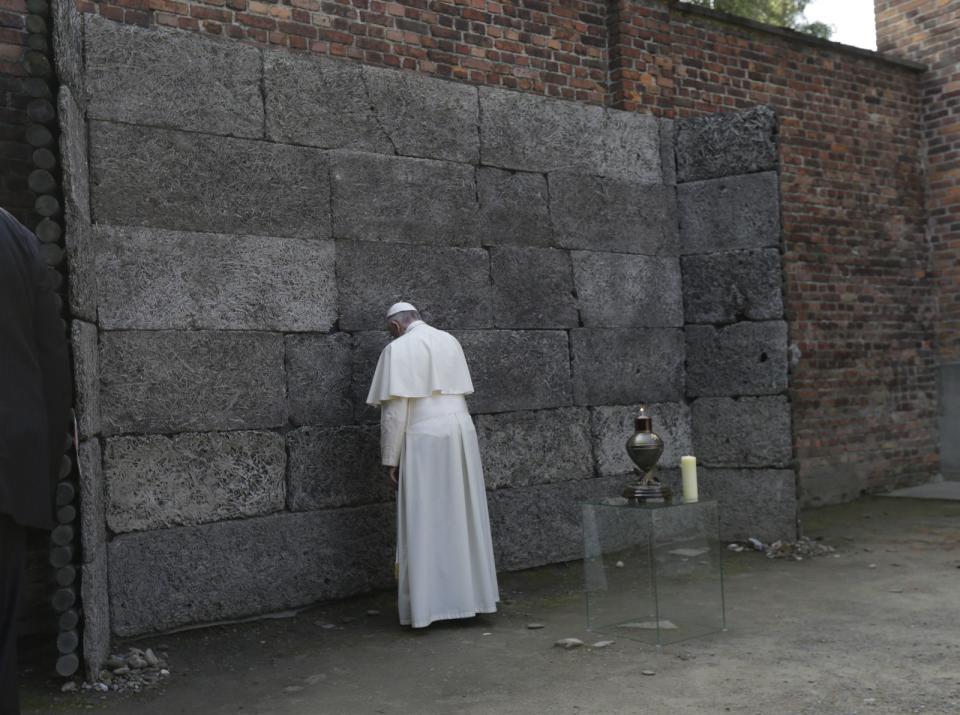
(726,144)
(532,288)
(746,432)
(425,116)
(247,567)
(621,291)
(319,378)
(68,45)
(160,481)
(514,208)
(731,286)
(369,345)
(81,252)
(320,102)
(450,286)
(737,212)
(740,359)
(530,133)
(418,201)
(620,366)
(668,157)
(93,530)
(86,377)
(198,182)
(95,603)
(603,214)
(170,78)
(520,449)
(170,381)
(156,279)
(517,369)
(541,524)
(758,503)
(611,427)
(335,467)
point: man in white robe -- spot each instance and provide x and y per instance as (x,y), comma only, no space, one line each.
(428,443)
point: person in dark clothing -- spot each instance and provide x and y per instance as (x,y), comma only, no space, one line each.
(35,398)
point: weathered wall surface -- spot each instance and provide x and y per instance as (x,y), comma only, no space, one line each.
(244,249)
(860,289)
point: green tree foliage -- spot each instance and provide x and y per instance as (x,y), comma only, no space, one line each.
(783,13)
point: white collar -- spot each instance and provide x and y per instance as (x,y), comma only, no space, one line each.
(414,324)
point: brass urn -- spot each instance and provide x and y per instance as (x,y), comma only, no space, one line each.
(645,448)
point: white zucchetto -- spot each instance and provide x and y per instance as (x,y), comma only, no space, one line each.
(399,308)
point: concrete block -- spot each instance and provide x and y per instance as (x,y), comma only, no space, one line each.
(155,279)
(384,198)
(81,254)
(532,288)
(172,381)
(620,291)
(627,366)
(198,182)
(68,45)
(93,529)
(520,449)
(425,116)
(668,155)
(320,102)
(611,427)
(542,524)
(450,286)
(95,602)
(163,579)
(727,287)
(86,377)
(732,213)
(319,375)
(747,432)
(740,359)
(335,467)
(761,503)
(170,78)
(726,144)
(516,369)
(530,133)
(602,214)
(157,481)
(514,208)
(367,351)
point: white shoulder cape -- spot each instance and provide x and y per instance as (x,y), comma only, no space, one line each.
(422,362)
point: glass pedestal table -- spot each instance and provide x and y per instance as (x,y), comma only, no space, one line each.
(653,572)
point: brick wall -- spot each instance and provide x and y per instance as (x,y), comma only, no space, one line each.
(930,33)
(14,150)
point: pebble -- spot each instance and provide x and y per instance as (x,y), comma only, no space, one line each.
(686,656)
(568,643)
(101,687)
(164,672)
(68,687)
(136,661)
(122,670)
(373,612)
(534,626)
(648,672)
(602,644)
(152,660)
(872,566)
(620,564)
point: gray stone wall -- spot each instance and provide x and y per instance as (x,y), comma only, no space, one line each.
(238,248)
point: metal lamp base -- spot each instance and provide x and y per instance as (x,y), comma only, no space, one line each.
(655,493)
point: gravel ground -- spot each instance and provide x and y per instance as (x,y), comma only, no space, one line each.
(871,628)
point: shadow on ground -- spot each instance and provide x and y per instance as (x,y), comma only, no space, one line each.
(874,629)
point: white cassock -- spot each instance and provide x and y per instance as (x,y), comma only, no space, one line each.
(444,551)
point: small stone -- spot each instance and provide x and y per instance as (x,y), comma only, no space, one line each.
(869,701)
(68,687)
(872,566)
(648,672)
(486,634)
(619,564)
(137,661)
(164,672)
(152,660)
(568,643)
(122,670)
(896,590)
(115,661)
(101,687)
(373,612)
(602,644)
(686,656)
(328,626)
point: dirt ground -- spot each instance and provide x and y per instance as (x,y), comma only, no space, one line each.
(875,631)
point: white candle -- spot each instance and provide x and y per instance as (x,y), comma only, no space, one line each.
(688,471)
